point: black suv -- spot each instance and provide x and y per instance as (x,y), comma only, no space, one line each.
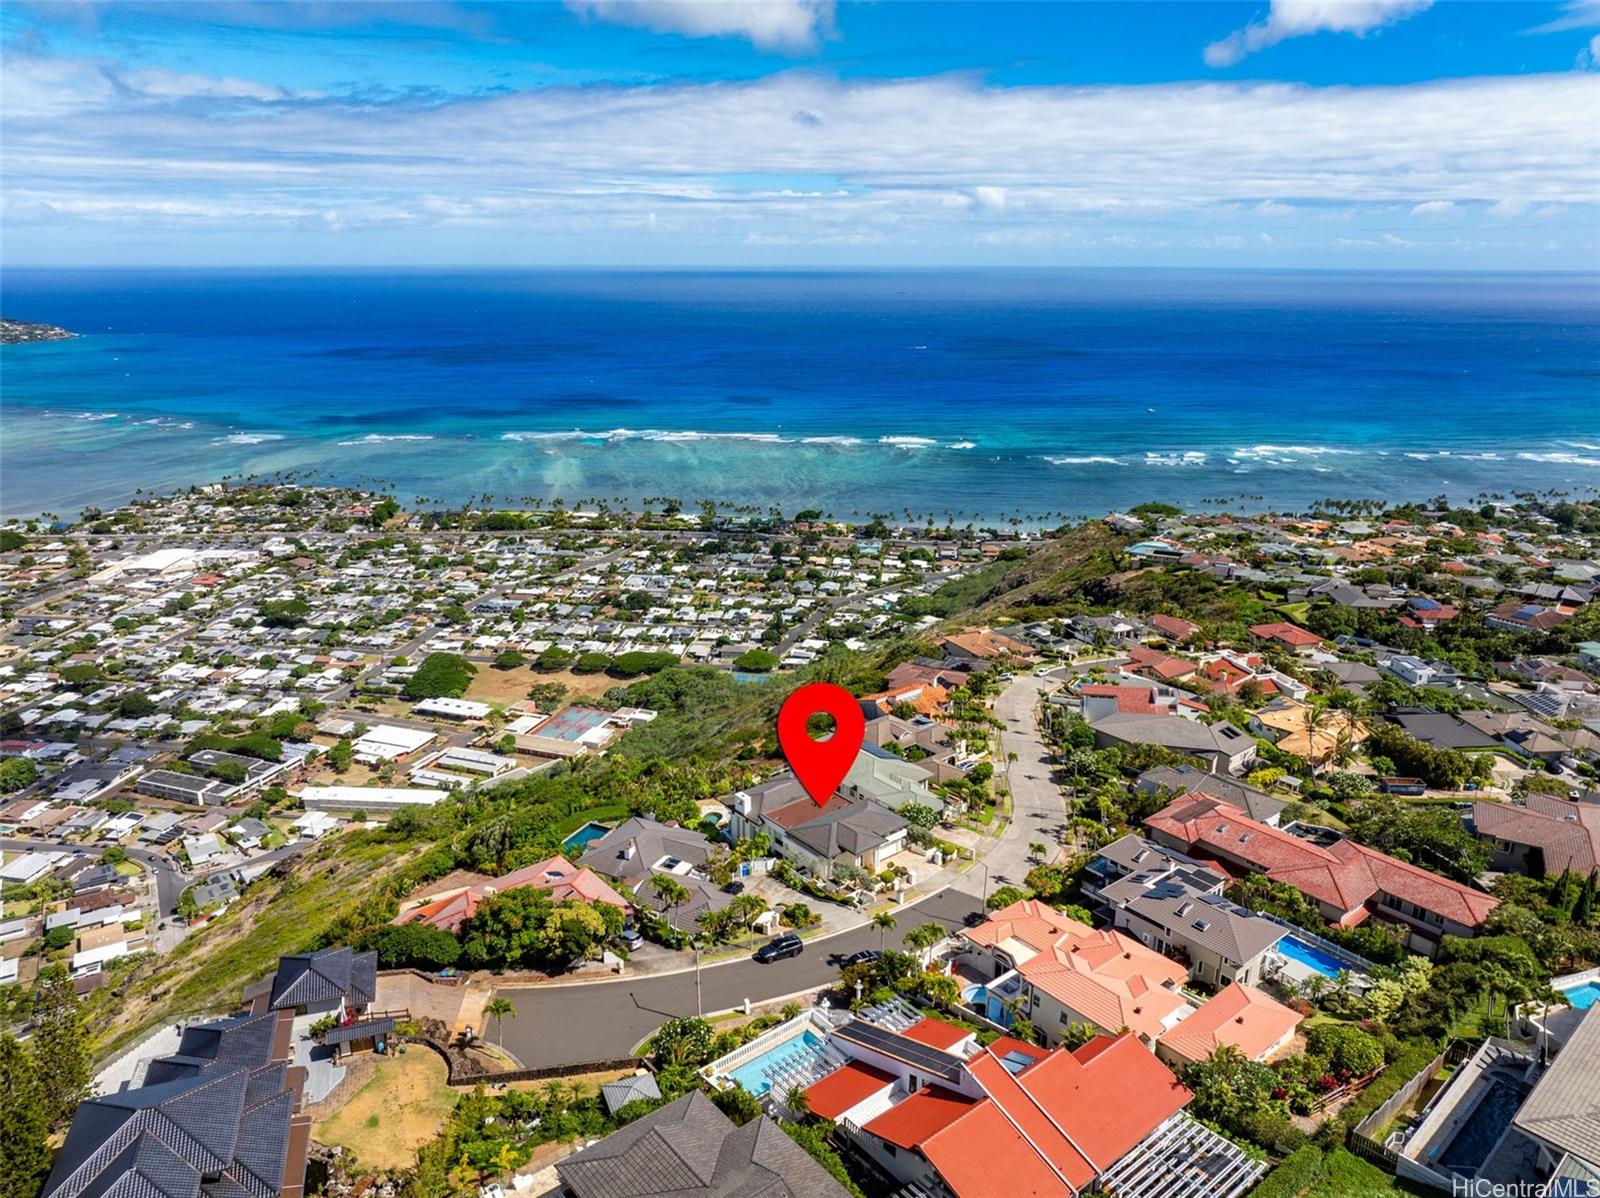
(787,945)
(865,957)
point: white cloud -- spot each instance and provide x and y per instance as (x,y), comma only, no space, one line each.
(1434,208)
(915,163)
(788,25)
(1297,18)
(1579,14)
(1589,57)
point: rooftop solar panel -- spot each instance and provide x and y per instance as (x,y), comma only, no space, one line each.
(928,1060)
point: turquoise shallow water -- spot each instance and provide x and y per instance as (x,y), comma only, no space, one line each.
(1014,395)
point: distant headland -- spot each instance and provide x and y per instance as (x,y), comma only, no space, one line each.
(15,332)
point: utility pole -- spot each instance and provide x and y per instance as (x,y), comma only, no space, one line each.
(699,1011)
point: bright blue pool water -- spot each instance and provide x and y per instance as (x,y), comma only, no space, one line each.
(1483,1128)
(582,837)
(1310,956)
(751,1076)
(1584,995)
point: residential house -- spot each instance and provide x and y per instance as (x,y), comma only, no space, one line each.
(1525,617)
(690,1149)
(1309,733)
(1348,882)
(1039,963)
(1238,1016)
(1545,837)
(218,1118)
(888,780)
(1224,748)
(1184,779)
(845,831)
(636,850)
(941,1115)
(450,908)
(982,645)
(1287,636)
(1174,905)
(340,981)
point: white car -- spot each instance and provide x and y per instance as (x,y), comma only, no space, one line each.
(492,1190)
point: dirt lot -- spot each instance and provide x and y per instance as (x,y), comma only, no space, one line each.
(507,686)
(396,1112)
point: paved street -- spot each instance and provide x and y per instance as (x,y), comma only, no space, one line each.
(570,1024)
(1038,810)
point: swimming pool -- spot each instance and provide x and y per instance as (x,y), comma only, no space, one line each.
(1584,995)
(752,1077)
(590,831)
(1482,1129)
(1311,957)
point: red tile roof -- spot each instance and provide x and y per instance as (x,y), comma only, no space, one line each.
(1345,875)
(845,1087)
(1248,1019)
(926,1113)
(936,1033)
(1289,634)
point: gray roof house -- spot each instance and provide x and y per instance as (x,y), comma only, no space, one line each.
(639,1087)
(216,1119)
(330,980)
(1185,779)
(690,1149)
(844,831)
(1174,904)
(639,847)
(1225,748)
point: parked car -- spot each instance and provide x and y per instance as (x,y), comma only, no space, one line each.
(734,887)
(785,946)
(630,938)
(865,957)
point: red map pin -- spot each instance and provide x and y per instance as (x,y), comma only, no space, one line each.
(821,764)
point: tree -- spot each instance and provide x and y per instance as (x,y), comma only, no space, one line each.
(136,706)
(24,1123)
(756,661)
(59,1047)
(554,658)
(798,1102)
(413,945)
(1004,896)
(498,1008)
(441,675)
(670,892)
(341,755)
(508,659)
(923,938)
(918,815)
(1036,850)
(17,773)
(547,696)
(884,921)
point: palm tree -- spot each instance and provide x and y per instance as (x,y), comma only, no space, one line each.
(884,921)
(798,1102)
(924,938)
(671,892)
(499,1007)
(1315,719)
(1036,851)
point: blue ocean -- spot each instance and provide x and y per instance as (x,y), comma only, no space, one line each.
(998,396)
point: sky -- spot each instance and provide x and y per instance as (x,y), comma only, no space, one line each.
(1344,134)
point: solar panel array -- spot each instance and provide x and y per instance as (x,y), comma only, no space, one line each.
(928,1060)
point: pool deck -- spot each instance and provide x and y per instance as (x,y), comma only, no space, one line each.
(1557,1023)
(1456,1102)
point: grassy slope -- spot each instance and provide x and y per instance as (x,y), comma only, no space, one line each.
(1053,575)
(211,968)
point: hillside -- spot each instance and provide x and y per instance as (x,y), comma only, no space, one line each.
(1061,573)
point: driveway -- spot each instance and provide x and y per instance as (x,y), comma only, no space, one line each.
(598,1021)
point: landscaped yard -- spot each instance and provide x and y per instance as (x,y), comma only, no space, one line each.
(399,1110)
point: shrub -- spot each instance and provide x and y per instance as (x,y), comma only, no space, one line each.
(1293,1177)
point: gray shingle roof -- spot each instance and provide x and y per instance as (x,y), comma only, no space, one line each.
(1564,1108)
(690,1149)
(321,976)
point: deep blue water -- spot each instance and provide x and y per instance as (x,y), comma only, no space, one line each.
(1004,393)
